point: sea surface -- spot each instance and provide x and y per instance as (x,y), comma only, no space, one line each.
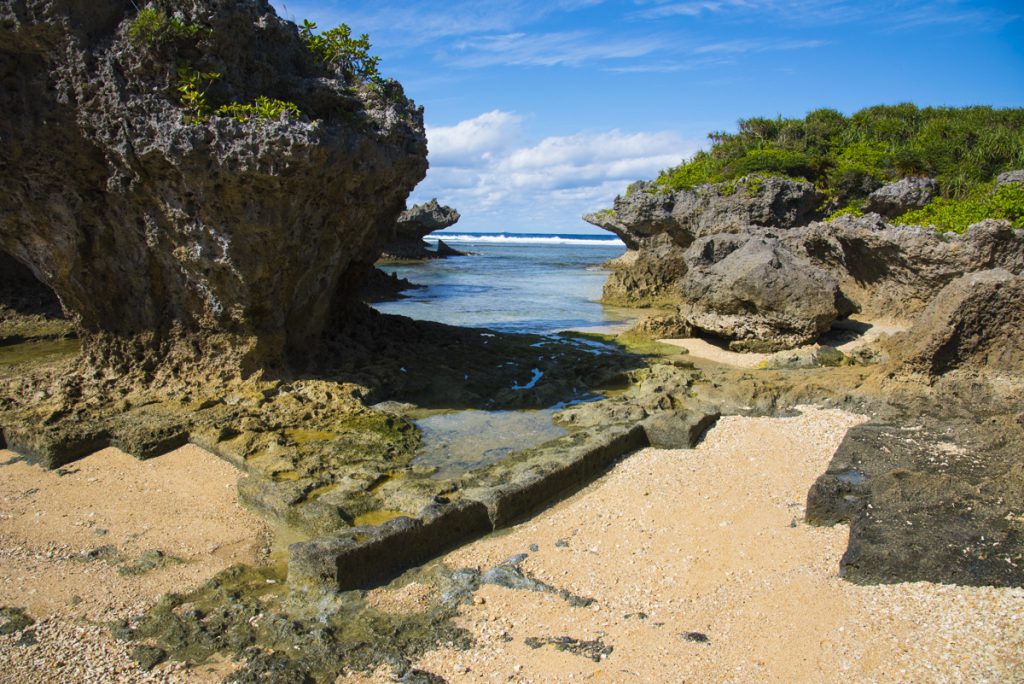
(536,283)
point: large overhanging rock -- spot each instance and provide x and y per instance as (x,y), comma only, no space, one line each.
(414,224)
(213,241)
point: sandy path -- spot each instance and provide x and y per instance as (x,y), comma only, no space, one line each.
(183,504)
(710,540)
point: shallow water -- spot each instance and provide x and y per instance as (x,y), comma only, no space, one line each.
(456,443)
(513,286)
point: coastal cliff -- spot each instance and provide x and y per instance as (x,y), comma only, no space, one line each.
(172,222)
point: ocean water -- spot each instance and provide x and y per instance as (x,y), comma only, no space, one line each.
(539,283)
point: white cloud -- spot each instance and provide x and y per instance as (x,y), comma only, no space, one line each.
(543,185)
(569,48)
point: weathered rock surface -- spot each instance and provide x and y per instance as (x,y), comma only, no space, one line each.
(1010,177)
(406,239)
(895,271)
(896,199)
(975,322)
(658,225)
(215,242)
(749,289)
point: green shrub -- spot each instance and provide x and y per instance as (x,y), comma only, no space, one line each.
(849,157)
(262,109)
(153,27)
(338,48)
(772,161)
(956,215)
(845,211)
(192,87)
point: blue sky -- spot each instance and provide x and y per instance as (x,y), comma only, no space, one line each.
(537,112)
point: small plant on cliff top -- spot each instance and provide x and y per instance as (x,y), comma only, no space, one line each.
(192,87)
(337,47)
(152,26)
(262,108)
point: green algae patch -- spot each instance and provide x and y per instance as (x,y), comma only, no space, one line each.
(300,436)
(38,352)
(380,517)
(251,615)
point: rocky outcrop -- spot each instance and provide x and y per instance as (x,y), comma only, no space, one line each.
(749,289)
(179,236)
(746,263)
(405,243)
(975,323)
(658,225)
(896,199)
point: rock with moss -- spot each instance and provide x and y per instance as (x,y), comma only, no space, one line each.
(176,237)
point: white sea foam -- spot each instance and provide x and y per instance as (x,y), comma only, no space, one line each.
(526,239)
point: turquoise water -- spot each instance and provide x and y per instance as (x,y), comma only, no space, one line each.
(537,284)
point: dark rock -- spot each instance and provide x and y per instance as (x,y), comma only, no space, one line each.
(159,233)
(930,495)
(752,291)
(269,666)
(679,429)
(406,242)
(595,649)
(974,322)
(896,199)
(13,620)
(148,657)
(365,555)
(697,637)
(421,677)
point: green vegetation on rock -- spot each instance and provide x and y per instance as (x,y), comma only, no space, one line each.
(848,157)
(337,47)
(152,26)
(263,108)
(955,215)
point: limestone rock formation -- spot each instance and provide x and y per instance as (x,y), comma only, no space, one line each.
(749,289)
(178,235)
(406,239)
(657,226)
(896,199)
(974,322)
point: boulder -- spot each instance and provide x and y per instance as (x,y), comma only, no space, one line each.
(749,289)
(893,272)
(406,239)
(186,236)
(1010,178)
(896,199)
(975,322)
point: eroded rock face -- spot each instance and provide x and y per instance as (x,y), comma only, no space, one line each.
(751,290)
(896,199)
(974,322)
(217,241)
(1010,177)
(406,239)
(659,225)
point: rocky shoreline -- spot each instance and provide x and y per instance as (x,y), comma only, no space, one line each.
(210,297)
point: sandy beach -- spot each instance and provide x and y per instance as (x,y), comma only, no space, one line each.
(698,562)
(673,545)
(78,551)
